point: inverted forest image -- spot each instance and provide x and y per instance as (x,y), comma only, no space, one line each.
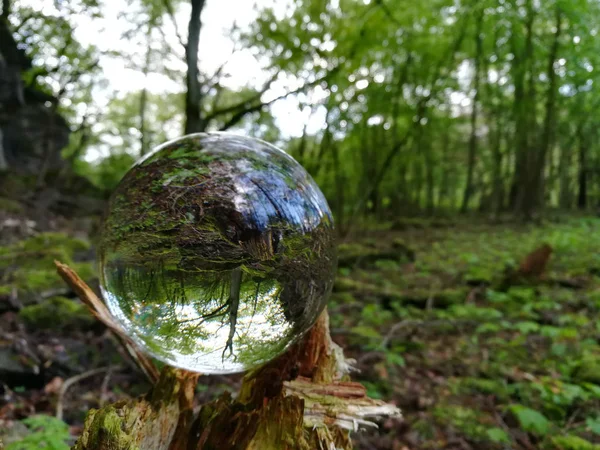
(299,225)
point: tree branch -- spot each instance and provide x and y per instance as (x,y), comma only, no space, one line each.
(171,14)
(243,104)
(75,75)
(257,107)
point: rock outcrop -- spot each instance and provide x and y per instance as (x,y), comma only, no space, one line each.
(32,137)
(32,133)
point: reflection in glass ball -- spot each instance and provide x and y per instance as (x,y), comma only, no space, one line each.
(217,252)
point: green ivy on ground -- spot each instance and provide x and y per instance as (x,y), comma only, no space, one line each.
(463,354)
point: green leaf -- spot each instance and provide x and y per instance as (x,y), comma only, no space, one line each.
(47,433)
(530,420)
(365,331)
(571,442)
(498,435)
(593,424)
(487,328)
(593,388)
(527,327)
(395,359)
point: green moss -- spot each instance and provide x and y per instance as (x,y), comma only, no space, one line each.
(342,298)
(572,442)
(14,186)
(10,205)
(588,371)
(108,430)
(86,270)
(464,419)
(28,265)
(56,313)
(35,279)
(43,241)
(484,386)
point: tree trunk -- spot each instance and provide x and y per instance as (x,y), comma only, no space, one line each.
(524,116)
(144,93)
(582,176)
(339,185)
(537,180)
(194,121)
(430,178)
(302,146)
(564,176)
(5,9)
(473,138)
(444,182)
(418,182)
(497,183)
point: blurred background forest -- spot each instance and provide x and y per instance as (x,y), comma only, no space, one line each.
(451,139)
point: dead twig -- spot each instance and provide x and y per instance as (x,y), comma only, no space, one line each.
(105,381)
(70,382)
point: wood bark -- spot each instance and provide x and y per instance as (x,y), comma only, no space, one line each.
(194,122)
(474,111)
(547,134)
(444,189)
(583,173)
(524,113)
(144,93)
(302,400)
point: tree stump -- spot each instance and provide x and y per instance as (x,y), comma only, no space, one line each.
(302,400)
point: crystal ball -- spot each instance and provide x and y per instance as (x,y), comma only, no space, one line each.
(217,252)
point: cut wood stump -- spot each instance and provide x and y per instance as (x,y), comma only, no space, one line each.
(302,400)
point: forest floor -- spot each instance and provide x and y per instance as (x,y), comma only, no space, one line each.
(475,359)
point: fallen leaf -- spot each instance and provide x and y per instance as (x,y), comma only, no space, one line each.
(54,385)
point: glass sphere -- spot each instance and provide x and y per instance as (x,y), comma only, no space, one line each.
(217,252)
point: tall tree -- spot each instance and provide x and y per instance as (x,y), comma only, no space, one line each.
(194,122)
(547,132)
(474,110)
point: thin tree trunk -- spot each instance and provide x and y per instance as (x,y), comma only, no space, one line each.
(564,198)
(473,138)
(497,184)
(495,119)
(370,165)
(5,9)
(144,93)
(302,145)
(430,180)
(194,122)
(339,185)
(583,173)
(537,181)
(525,121)
(444,182)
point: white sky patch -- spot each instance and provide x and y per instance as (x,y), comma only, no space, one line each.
(375,120)
(217,48)
(362,84)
